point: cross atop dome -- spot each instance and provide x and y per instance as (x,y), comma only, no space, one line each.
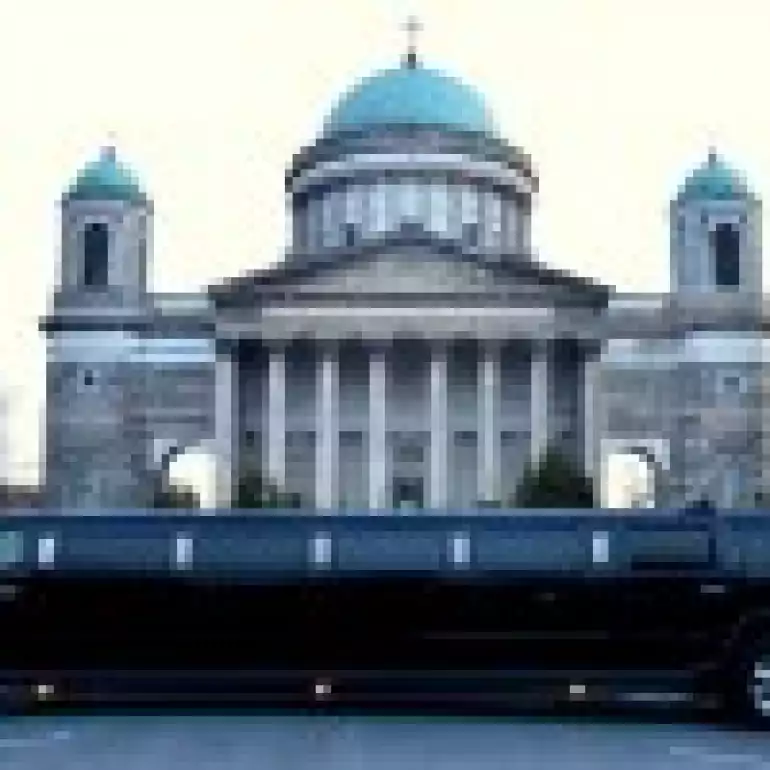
(412,27)
(109,149)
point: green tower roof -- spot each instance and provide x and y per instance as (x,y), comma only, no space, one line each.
(106,179)
(714,180)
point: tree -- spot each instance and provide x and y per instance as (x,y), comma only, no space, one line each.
(555,483)
(254,490)
(175,496)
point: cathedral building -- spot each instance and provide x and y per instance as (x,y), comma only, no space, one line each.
(410,350)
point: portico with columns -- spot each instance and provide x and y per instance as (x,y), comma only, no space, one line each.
(407,421)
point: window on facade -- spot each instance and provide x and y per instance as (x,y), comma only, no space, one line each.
(378,207)
(354,204)
(392,206)
(732,384)
(142,261)
(470,205)
(725,246)
(493,218)
(423,203)
(349,234)
(86,379)
(351,438)
(410,199)
(454,210)
(471,233)
(511,219)
(96,249)
(465,438)
(409,453)
(439,208)
(331,218)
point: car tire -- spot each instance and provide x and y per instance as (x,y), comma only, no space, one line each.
(748,687)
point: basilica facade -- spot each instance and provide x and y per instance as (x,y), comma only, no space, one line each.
(410,350)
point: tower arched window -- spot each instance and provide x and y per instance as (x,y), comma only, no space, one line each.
(96,250)
(725,247)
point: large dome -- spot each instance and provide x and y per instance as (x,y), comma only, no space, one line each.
(411,95)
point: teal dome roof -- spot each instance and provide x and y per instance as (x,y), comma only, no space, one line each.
(714,180)
(411,94)
(106,179)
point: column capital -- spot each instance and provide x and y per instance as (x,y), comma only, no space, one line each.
(540,347)
(276,345)
(491,345)
(378,346)
(226,348)
(328,345)
(439,345)
(592,351)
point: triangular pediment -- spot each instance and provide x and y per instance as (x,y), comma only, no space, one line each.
(412,266)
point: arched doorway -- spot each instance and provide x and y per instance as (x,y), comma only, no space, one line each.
(633,473)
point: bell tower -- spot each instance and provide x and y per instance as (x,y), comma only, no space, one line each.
(94,445)
(106,223)
(716,233)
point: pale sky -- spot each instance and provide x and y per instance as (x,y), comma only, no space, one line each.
(207,101)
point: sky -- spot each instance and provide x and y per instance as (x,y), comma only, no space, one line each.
(207,101)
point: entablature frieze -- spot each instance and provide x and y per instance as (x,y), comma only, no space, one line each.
(483,323)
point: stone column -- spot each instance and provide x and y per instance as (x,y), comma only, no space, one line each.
(276,414)
(225,422)
(377,428)
(439,443)
(591,419)
(488,430)
(327,430)
(539,399)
